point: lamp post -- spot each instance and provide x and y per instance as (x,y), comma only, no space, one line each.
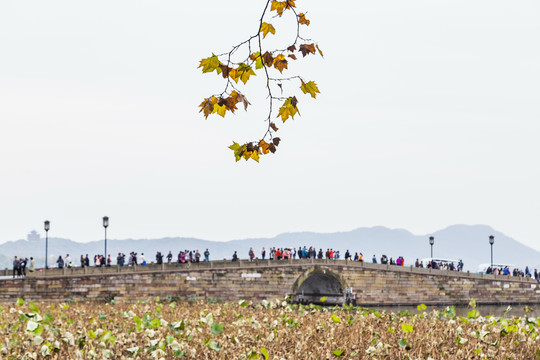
(105,224)
(491,242)
(47,227)
(431,242)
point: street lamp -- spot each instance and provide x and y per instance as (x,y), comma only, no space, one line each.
(47,227)
(105,224)
(491,242)
(431,242)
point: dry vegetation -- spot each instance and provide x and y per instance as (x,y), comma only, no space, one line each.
(164,329)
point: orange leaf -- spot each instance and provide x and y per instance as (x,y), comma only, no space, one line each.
(302,19)
(280,63)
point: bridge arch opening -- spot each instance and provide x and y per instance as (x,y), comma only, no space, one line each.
(318,284)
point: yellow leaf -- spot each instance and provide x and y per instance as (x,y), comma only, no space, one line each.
(244,71)
(210,64)
(288,109)
(255,156)
(238,150)
(309,87)
(267,28)
(220,109)
(279,6)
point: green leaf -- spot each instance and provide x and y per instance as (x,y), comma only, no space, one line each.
(407,328)
(391,330)
(323,299)
(214,346)
(33,307)
(264,352)
(473,314)
(243,303)
(336,318)
(47,318)
(338,352)
(91,334)
(217,328)
(421,307)
(20,302)
(402,342)
(465,320)
(253,355)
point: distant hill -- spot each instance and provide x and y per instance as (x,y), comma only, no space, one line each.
(466,242)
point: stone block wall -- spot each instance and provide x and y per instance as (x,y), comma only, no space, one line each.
(374,284)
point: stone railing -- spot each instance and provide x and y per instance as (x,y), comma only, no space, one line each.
(224,264)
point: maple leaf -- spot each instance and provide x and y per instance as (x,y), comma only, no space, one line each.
(292,56)
(267,28)
(238,150)
(279,6)
(307,48)
(288,109)
(274,127)
(280,62)
(258,60)
(309,87)
(263,145)
(268,58)
(255,156)
(276,141)
(225,70)
(230,103)
(291,48)
(210,64)
(244,71)
(220,109)
(302,19)
(206,107)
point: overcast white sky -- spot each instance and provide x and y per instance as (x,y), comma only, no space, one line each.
(428,116)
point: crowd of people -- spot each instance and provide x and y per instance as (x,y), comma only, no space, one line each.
(20,265)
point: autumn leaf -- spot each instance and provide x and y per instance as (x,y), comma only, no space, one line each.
(255,156)
(225,70)
(280,62)
(288,109)
(244,71)
(258,60)
(274,127)
(267,28)
(207,106)
(309,87)
(220,109)
(263,145)
(292,56)
(307,48)
(320,52)
(302,19)
(240,98)
(238,150)
(279,6)
(291,48)
(276,141)
(210,64)
(268,59)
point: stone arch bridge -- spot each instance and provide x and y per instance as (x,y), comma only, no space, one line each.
(304,280)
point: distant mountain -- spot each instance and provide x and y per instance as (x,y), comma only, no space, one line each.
(466,242)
